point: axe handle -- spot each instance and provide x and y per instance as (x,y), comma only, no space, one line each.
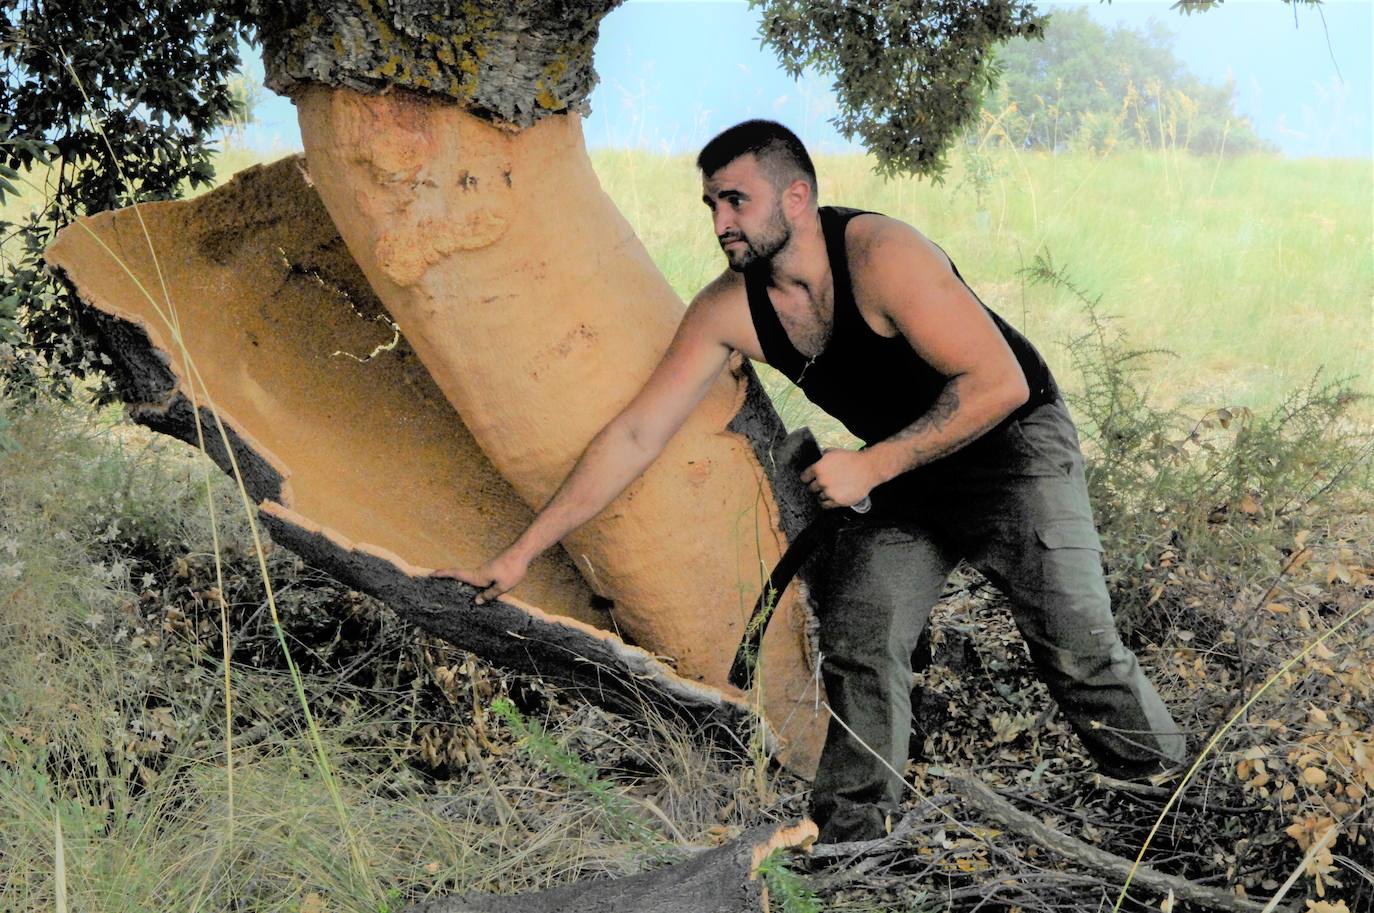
(746,656)
(799,451)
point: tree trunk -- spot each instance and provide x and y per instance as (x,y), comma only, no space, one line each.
(445,142)
(539,314)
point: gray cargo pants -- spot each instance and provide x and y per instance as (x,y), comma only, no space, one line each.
(1015,506)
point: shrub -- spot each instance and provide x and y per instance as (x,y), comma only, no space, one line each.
(1229,489)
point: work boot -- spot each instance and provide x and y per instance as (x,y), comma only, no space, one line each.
(850,822)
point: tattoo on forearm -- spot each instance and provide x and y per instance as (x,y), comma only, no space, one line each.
(937,416)
(934,421)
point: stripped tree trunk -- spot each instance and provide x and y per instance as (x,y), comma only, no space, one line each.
(539,314)
(445,142)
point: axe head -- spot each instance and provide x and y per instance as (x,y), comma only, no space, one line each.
(798,450)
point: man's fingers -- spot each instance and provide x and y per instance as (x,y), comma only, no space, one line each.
(808,473)
(490,593)
(455,573)
(489,586)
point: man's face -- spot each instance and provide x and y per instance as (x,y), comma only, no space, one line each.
(747,212)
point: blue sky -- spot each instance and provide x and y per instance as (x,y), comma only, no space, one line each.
(674,73)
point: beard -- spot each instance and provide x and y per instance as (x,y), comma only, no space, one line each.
(763,246)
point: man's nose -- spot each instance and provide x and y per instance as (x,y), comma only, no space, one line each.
(723,223)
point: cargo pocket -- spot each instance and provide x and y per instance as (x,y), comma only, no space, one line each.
(1071,578)
(1075,534)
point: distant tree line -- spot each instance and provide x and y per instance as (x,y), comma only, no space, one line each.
(1089,87)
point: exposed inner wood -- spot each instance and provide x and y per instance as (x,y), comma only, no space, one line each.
(539,314)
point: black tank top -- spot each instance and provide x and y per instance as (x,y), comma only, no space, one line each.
(874,385)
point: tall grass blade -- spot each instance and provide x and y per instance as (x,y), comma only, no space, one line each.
(59,861)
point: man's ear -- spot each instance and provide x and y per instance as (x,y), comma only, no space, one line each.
(797,197)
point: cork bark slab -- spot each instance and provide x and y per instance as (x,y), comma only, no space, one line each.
(275,316)
(358,460)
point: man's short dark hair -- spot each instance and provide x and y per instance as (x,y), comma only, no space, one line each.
(781,155)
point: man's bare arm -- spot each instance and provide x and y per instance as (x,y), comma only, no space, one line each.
(914,289)
(945,324)
(620,452)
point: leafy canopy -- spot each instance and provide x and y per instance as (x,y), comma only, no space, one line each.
(909,74)
(153,78)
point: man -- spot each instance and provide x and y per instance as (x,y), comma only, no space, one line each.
(969,454)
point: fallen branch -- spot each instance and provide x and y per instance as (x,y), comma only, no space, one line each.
(723,879)
(1098,860)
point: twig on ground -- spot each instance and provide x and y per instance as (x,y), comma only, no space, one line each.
(1003,812)
(859,849)
(1159,792)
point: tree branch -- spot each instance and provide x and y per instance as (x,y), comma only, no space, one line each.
(1098,860)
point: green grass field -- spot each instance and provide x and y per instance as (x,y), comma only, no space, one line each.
(1254,271)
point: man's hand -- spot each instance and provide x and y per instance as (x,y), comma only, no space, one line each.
(842,478)
(498,575)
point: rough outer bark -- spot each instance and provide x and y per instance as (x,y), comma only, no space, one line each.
(592,663)
(720,880)
(353,462)
(539,314)
(513,60)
